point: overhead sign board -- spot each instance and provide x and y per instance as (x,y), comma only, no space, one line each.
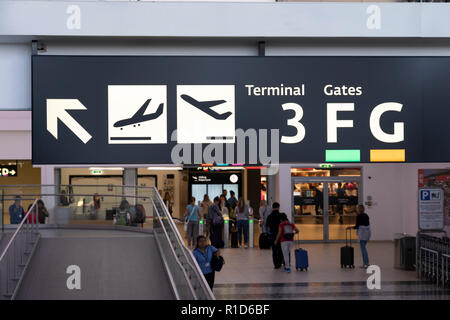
(246,110)
(431,209)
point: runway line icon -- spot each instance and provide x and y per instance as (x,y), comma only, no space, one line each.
(137,114)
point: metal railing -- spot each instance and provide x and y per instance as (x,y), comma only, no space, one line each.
(185,273)
(78,199)
(17,252)
(434,259)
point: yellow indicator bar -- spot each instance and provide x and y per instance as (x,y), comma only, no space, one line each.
(387,155)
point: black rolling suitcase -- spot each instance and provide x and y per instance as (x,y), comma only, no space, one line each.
(347,252)
(234,239)
(264,241)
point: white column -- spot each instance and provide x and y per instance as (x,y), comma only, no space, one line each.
(48,178)
(130,179)
(284,189)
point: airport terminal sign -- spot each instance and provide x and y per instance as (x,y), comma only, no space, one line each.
(239,110)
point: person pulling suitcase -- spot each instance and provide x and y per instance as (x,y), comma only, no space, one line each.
(285,236)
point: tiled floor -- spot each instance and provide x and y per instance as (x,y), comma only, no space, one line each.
(249,274)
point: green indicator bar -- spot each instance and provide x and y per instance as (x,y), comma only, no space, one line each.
(342,155)
(201,221)
(226,221)
(251,220)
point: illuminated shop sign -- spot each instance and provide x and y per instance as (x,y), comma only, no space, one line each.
(215,178)
(250,111)
(8,171)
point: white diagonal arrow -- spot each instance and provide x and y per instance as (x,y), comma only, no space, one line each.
(13,172)
(57,109)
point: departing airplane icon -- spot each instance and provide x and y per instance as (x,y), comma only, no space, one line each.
(139,116)
(206,106)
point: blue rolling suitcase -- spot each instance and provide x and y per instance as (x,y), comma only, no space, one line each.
(301,259)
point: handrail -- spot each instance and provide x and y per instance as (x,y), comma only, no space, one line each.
(185,249)
(18,229)
(75,194)
(14,257)
(174,254)
(72,185)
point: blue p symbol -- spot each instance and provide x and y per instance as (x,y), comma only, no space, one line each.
(425,195)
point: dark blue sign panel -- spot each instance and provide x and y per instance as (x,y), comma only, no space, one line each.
(240,110)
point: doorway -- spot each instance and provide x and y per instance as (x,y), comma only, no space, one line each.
(323,207)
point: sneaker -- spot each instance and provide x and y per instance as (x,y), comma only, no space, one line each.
(286,270)
(246,247)
(289,270)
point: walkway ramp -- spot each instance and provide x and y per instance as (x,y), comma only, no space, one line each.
(114,265)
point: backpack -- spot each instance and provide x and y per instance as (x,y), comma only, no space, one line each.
(140,214)
(217,219)
(288,232)
(121,219)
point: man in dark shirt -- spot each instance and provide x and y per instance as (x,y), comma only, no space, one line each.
(232,201)
(272,223)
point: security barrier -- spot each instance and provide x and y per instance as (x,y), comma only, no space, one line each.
(434,259)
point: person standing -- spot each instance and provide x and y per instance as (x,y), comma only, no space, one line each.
(192,216)
(273,223)
(204,208)
(242,216)
(223,206)
(285,236)
(363,231)
(216,218)
(168,202)
(224,195)
(340,206)
(203,253)
(318,199)
(232,201)
(123,217)
(264,211)
(63,200)
(42,211)
(32,216)
(16,212)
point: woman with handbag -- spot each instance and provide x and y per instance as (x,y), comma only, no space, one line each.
(205,256)
(191,217)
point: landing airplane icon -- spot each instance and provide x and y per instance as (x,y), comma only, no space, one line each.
(139,116)
(206,106)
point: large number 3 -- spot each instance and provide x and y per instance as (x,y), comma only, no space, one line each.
(294,122)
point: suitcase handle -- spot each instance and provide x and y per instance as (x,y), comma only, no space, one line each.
(297,240)
(349,230)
